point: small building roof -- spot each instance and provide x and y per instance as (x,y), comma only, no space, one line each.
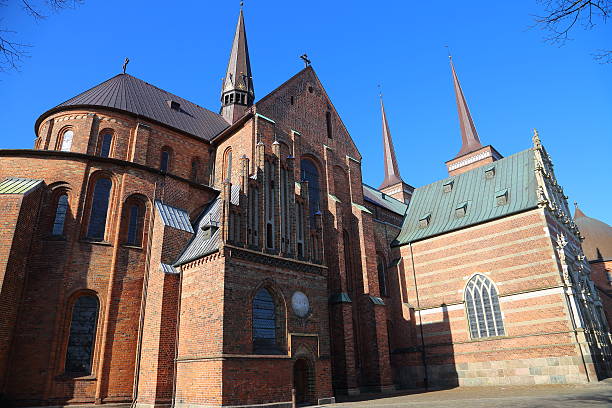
(174,217)
(383,200)
(471,198)
(17,185)
(126,93)
(597,244)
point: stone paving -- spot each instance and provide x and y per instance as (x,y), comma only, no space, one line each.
(539,396)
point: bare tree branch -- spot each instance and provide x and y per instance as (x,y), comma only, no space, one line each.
(12,52)
(603,56)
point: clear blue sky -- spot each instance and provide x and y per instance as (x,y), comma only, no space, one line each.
(512,79)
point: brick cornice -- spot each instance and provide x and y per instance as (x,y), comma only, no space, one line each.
(96,159)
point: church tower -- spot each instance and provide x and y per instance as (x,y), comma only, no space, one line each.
(392,185)
(472,153)
(237,93)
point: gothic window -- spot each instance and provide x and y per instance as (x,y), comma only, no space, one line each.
(264,321)
(270,195)
(255,216)
(284,193)
(227,165)
(382,275)
(132,233)
(328,122)
(300,229)
(483,311)
(99,209)
(67,140)
(311,174)
(195,169)
(105,145)
(83,324)
(166,155)
(61,209)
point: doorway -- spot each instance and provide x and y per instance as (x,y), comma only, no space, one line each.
(301,379)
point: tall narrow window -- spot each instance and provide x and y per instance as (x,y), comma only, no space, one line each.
(67,141)
(60,215)
(227,165)
(264,321)
(99,209)
(133,233)
(164,164)
(300,229)
(482,304)
(382,276)
(311,174)
(82,335)
(195,169)
(328,123)
(270,202)
(105,146)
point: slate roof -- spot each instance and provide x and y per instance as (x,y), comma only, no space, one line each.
(174,217)
(202,242)
(130,94)
(16,185)
(383,200)
(513,174)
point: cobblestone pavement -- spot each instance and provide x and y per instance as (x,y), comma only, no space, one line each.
(544,396)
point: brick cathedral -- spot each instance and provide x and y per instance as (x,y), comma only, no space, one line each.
(158,254)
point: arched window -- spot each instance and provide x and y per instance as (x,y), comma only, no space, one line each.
(227,165)
(311,174)
(164,163)
(195,169)
(67,140)
(328,122)
(133,236)
(482,304)
(105,144)
(82,335)
(60,215)
(382,275)
(264,321)
(99,209)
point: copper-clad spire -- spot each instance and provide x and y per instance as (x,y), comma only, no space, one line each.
(469,136)
(237,92)
(392,174)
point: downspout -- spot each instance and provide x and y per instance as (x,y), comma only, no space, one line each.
(416,289)
(143,301)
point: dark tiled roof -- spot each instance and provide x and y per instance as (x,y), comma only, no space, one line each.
(597,244)
(513,175)
(127,93)
(16,185)
(383,200)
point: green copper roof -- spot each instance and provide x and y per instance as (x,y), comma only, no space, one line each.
(501,188)
(15,185)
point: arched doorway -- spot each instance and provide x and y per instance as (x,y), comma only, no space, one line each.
(301,379)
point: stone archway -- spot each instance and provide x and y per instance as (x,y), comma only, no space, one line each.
(302,378)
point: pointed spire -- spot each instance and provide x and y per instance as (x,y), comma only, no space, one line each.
(469,136)
(237,92)
(392,174)
(578,212)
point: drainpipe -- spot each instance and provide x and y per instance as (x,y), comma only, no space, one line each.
(416,289)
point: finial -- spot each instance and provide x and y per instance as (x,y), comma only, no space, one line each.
(450,57)
(125,63)
(536,139)
(304,58)
(379,91)
(576,204)
(241,4)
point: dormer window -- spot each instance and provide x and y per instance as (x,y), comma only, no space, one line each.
(461,210)
(424,221)
(174,105)
(490,173)
(501,197)
(448,186)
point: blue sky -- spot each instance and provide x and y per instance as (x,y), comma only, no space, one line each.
(513,81)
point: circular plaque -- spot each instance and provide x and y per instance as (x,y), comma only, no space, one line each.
(300,304)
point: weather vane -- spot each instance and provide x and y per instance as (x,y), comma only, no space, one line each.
(379,90)
(125,63)
(304,58)
(448,50)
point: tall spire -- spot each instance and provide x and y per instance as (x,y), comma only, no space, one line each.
(237,93)
(469,136)
(392,174)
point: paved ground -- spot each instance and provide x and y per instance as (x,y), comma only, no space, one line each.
(543,396)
